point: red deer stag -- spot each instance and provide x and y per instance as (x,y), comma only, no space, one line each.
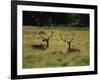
(44,39)
(68,44)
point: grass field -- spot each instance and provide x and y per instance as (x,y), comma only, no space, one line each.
(55,55)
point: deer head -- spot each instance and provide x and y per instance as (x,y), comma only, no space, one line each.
(46,39)
(67,42)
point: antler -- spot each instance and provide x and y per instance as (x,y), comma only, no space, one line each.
(66,40)
(72,37)
(44,37)
(62,37)
(50,35)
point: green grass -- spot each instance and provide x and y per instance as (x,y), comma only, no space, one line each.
(55,55)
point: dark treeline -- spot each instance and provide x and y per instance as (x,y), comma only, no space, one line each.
(55,19)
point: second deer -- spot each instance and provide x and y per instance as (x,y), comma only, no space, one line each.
(68,44)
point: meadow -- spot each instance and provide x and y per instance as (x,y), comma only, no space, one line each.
(55,55)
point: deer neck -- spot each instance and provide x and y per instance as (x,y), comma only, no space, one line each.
(69,45)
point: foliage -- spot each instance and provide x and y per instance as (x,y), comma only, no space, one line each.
(55,19)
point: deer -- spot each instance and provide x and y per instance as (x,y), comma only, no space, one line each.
(45,40)
(68,43)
